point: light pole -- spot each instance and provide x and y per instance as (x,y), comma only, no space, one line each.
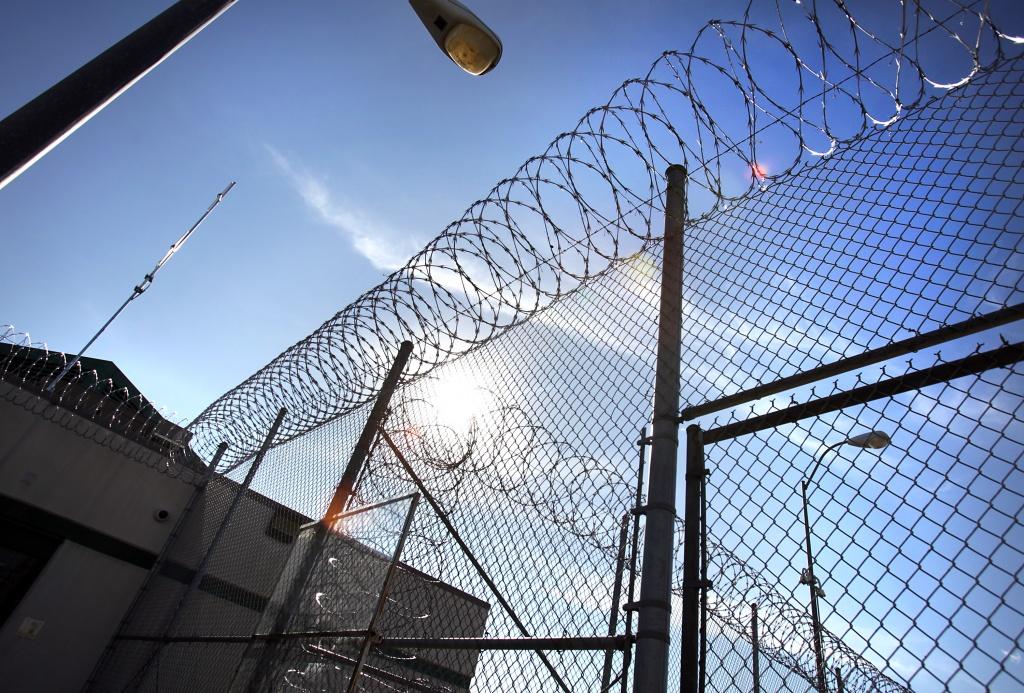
(40,125)
(872,439)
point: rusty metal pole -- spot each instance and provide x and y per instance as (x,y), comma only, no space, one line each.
(654,607)
(343,493)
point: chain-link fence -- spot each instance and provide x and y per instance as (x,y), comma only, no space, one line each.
(891,226)
(871,533)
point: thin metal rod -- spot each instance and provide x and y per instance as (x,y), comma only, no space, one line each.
(612,643)
(27,134)
(142,286)
(840,686)
(78,357)
(627,658)
(755,643)
(689,675)
(243,488)
(704,584)
(592,643)
(333,520)
(158,564)
(812,586)
(910,345)
(654,607)
(406,684)
(443,517)
(295,635)
(970,365)
(613,616)
(385,589)
(200,573)
(343,494)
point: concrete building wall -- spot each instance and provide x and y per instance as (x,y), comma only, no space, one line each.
(67,473)
(79,597)
(63,480)
(99,504)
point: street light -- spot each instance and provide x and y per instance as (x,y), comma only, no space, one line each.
(875,440)
(460,34)
(40,125)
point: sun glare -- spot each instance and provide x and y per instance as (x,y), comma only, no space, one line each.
(458,401)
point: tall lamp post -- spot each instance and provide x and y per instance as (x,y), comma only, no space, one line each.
(872,439)
(40,125)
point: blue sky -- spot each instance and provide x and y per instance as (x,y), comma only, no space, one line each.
(353,141)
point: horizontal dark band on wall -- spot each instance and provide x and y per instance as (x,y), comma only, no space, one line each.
(13,510)
(211,584)
(43,521)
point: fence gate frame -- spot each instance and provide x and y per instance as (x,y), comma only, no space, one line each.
(695,583)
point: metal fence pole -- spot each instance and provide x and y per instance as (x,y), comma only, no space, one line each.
(385,589)
(630,606)
(197,577)
(243,488)
(755,645)
(689,681)
(158,565)
(362,450)
(704,582)
(613,617)
(654,607)
(342,495)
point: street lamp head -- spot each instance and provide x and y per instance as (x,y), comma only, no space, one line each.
(460,34)
(872,439)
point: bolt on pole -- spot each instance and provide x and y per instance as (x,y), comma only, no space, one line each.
(654,607)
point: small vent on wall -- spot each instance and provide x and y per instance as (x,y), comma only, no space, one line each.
(284,525)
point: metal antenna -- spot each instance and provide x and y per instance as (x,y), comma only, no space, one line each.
(140,288)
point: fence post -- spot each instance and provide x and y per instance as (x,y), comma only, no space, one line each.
(339,501)
(689,679)
(200,573)
(613,617)
(755,642)
(158,564)
(630,606)
(654,607)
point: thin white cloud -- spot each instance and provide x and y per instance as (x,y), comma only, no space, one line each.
(383,247)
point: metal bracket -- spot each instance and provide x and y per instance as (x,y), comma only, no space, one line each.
(637,605)
(699,584)
(656,634)
(642,510)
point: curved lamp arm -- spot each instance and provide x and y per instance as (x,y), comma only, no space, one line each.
(817,462)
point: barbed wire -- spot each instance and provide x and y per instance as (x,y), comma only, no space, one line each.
(93,406)
(590,198)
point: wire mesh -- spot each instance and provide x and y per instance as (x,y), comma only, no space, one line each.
(745,107)
(915,558)
(871,194)
(129,424)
